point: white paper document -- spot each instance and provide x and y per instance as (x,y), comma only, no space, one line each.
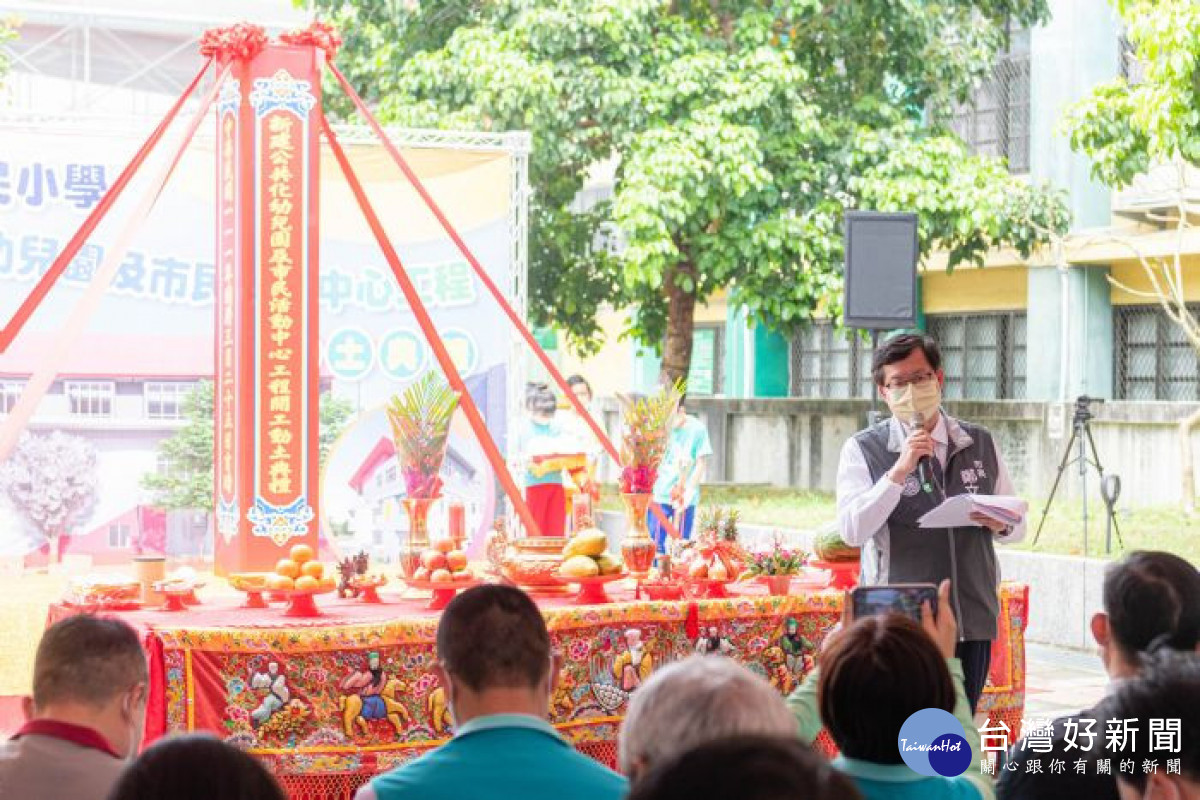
(956,511)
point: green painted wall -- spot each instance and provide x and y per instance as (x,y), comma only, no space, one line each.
(1082,336)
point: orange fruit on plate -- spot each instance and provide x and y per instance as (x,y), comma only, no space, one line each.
(302,553)
(328,583)
(314,569)
(307,583)
(456,560)
(443,545)
(433,560)
(287,568)
(421,574)
(440,576)
(280,583)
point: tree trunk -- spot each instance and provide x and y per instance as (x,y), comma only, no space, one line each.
(681,313)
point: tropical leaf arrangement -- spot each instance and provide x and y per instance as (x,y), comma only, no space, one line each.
(420,418)
(645,434)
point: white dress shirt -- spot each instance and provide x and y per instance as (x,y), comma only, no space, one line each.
(863,507)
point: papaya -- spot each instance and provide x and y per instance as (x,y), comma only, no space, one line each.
(588,542)
(579,567)
(608,563)
(829,546)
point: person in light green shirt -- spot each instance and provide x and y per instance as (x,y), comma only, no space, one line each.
(497,669)
(871,677)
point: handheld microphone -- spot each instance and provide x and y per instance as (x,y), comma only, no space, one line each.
(924,466)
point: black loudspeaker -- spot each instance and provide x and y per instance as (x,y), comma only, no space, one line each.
(881,270)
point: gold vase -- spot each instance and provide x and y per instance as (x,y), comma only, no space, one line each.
(637,548)
(417,509)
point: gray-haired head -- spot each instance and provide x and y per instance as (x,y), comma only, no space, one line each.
(695,701)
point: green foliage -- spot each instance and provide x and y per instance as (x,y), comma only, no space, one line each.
(187,483)
(1125,128)
(741,130)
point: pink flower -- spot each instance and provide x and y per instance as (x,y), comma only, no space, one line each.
(425,683)
(580,650)
(237,713)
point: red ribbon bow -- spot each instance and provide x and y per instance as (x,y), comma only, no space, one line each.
(242,41)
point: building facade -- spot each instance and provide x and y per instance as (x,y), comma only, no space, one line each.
(1093,337)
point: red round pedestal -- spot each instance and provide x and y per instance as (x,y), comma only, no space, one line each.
(845,573)
(370,594)
(442,593)
(190,599)
(301,604)
(175,602)
(708,588)
(255,600)
(591,590)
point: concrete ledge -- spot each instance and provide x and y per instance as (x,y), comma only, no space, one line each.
(1064,591)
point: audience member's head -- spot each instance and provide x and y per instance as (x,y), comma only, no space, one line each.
(694,701)
(541,402)
(494,654)
(196,767)
(748,768)
(91,671)
(580,388)
(1151,600)
(1167,688)
(874,675)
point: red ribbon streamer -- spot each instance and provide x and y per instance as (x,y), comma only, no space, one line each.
(483,276)
(431,334)
(47,281)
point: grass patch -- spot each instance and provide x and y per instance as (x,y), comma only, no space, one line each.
(1154,528)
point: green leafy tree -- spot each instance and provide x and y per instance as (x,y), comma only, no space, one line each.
(8,32)
(741,131)
(187,483)
(1126,128)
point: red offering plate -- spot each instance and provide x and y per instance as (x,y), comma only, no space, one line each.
(368,588)
(660,590)
(443,591)
(254,585)
(177,594)
(710,588)
(591,590)
(300,601)
(845,573)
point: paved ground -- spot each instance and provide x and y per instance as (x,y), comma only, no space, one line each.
(1059,682)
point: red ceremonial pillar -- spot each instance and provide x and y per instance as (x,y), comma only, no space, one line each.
(267,381)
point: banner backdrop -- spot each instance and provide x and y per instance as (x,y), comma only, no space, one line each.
(157,324)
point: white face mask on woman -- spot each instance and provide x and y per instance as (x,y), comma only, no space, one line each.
(915,398)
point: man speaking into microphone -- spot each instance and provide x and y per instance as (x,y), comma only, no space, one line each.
(895,471)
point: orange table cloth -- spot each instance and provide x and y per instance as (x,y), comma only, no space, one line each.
(211,670)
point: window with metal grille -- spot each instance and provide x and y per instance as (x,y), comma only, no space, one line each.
(995,122)
(10,393)
(91,398)
(705,373)
(983,355)
(1130,67)
(827,362)
(1154,360)
(164,399)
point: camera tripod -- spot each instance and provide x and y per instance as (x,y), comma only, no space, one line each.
(1110,486)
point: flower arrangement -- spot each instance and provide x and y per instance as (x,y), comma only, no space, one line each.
(318,33)
(420,419)
(647,430)
(779,560)
(242,41)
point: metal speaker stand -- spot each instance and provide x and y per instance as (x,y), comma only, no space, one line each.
(1077,451)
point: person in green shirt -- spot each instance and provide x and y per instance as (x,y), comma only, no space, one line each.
(498,671)
(870,678)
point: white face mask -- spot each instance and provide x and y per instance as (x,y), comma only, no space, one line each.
(915,398)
